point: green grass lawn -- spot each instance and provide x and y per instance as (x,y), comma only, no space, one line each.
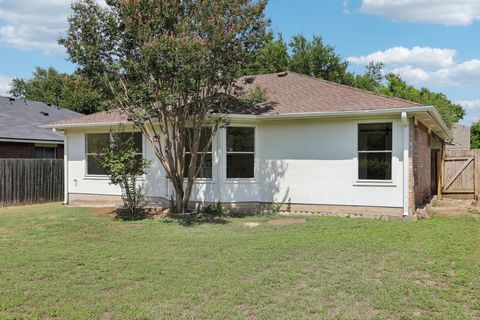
(78,263)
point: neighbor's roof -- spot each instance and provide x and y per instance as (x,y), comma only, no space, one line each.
(20,121)
(288,93)
(461,137)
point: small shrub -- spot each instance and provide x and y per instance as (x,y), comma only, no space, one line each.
(277,206)
(123,165)
(213,211)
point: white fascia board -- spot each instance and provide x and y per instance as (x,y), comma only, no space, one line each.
(84,125)
(31,141)
(432,111)
(438,119)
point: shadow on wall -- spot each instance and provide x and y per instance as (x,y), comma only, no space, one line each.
(273,175)
(267,185)
(156,182)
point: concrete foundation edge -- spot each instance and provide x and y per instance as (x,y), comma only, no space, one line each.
(94,200)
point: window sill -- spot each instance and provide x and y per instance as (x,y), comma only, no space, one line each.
(201,181)
(374,183)
(240,181)
(99,177)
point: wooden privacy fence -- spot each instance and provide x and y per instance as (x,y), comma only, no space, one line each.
(28,181)
(461,174)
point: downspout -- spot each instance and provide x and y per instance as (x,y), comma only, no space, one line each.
(65,165)
(406,141)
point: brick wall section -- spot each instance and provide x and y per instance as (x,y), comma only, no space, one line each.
(59,151)
(17,150)
(421,145)
(422,164)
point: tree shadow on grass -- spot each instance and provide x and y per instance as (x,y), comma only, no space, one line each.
(191,220)
(196,219)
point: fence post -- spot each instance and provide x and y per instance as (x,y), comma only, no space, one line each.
(476,172)
(439,173)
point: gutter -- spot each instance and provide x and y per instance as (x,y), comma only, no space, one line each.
(438,119)
(65,174)
(31,141)
(406,164)
(84,125)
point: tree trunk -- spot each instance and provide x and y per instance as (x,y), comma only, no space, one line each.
(179,198)
(188,192)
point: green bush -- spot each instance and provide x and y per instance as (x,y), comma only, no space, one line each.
(124,165)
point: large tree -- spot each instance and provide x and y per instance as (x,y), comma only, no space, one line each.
(70,91)
(171,66)
(272,57)
(475,135)
(451,112)
(316,59)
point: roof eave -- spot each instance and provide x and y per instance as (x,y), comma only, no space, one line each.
(84,125)
(23,140)
(437,118)
(432,111)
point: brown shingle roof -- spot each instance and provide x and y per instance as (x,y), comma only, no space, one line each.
(99,117)
(461,137)
(291,93)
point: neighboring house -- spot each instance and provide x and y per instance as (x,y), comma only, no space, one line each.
(336,148)
(461,138)
(20,134)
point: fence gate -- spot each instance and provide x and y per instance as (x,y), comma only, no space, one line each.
(460,176)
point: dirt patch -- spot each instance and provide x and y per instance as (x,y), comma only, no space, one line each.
(107,315)
(251,224)
(453,212)
(157,213)
(102,210)
(286,222)
(5,231)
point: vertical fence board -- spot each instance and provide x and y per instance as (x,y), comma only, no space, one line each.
(459,174)
(28,181)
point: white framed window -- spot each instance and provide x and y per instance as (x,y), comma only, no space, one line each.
(375,151)
(240,152)
(206,172)
(96,142)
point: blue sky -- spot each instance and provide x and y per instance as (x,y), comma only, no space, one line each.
(431,43)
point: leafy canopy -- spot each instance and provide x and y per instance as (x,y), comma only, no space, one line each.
(317,59)
(271,58)
(475,135)
(170,66)
(72,92)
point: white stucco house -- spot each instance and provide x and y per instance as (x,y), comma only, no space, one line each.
(337,149)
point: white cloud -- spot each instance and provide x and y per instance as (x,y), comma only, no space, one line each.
(345,5)
(34,25)
(421,56)
(472,108)
(447,12)
(4,85)
(413,75)
(425,66)
(31,25)
(470,104)
(458,75)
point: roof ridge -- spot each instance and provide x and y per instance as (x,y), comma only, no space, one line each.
(353,88)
